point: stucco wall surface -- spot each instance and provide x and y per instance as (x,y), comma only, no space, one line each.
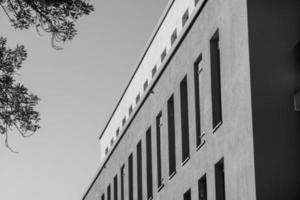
(233,140)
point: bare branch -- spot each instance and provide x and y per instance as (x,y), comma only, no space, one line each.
(7,144)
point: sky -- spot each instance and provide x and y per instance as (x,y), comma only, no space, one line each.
(79,86)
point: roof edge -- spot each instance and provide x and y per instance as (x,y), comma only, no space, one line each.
(148,45)
(176,46)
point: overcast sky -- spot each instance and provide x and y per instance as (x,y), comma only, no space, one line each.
(79,87)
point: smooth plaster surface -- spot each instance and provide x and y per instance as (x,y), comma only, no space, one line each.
(233,140)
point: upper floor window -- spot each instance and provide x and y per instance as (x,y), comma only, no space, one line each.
(130,110)
(130,177)
(124,121)
(187,195)
(220,180)
(215,80)
(184,119)
(163,55)
(118,132)
(116,187)
(185,17)
(173,36)
(137,98)
(158,149)
(122,181)
(202,188)
(108,192)
(139,173)
(149,163)
(154,70)
(197,80)
(171,137)
(145,85)
(112,141)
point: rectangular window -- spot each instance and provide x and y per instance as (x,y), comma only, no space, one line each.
(149,163)
(215,80)
(187,195)
(137,99)
(158,132)
(154,70)
(202,187)
(184,119)
(171,135)
(116,187)
(106,150)
(173,37)
(112,141)
(220,180)
(108,192)
(130,110)
(122,181)
(139,171)
(197,71)
(117,132)
(124,121)
(145,85)
(185,17)
(163,55)
(103,197)
(130,177)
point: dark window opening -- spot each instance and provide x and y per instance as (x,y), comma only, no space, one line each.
(106,150)
(103,197)
(158,132)
(184,119)
(220,180)
(187,195)
(130,110)
(154,70)
(149,164)
(202,187)
(124,121)
(185,17)
(130,177)
(215,80)
(137,99)
(116,187)
(197,99)
(171,135)
(139,171)
(122,181)
(112,141)
(118,132)
(196,2)
(173,36)
(163,55)
(145,85)
(108,192)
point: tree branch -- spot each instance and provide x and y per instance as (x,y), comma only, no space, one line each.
(7,144)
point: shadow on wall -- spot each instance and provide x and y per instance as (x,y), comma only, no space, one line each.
(274,36)
(297,54)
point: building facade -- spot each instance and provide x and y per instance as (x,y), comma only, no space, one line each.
(210,111)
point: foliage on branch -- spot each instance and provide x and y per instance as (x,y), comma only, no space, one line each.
(57,17)
(16,102)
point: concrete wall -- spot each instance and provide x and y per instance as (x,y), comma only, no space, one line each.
(274,30)
(233,140)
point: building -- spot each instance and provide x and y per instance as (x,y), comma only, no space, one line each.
(211,111)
